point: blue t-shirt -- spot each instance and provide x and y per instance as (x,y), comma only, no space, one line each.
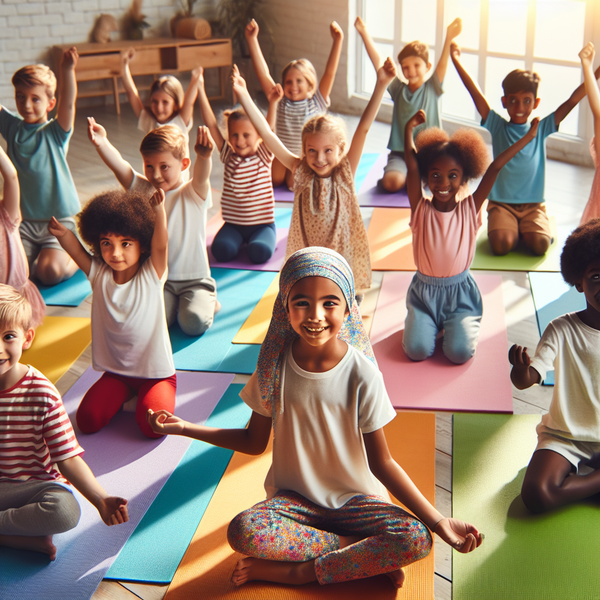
(39,154)
(522,179)
(407,103)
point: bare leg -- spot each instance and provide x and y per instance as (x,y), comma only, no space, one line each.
(42,543)
(260,569)
(393,181)
(503,241)
(538,243)
(54,266)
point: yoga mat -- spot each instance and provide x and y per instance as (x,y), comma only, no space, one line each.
(206,568)
(159,542)
(524,556)
(71,292)
(368,193)
(552,297)
(390,240)
(125,463)
(482,384)
(282,223)
(58,343)
(238,291)
(520,259)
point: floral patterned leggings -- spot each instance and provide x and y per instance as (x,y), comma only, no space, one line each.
(288,527)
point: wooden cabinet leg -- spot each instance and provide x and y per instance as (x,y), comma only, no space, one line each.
(116,93)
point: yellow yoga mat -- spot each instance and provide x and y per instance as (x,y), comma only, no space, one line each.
(58,343)
(206,568)
(390,240)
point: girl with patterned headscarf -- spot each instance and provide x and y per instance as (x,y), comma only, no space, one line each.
(328,516)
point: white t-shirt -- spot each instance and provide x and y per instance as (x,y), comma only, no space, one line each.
(147,122)
(129,326)
(318,450)
(572,349)
(186,223)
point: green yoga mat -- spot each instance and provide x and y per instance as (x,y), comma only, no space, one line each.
(524,556)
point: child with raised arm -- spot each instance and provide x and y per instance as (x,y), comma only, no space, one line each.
(318,386)
(127,271)
(564,466)
(247,202)
(326,210)
(37,147)
(40,458)
(443,295)
(418,92)
(190,291)
(516,209)
(304,96)
(14,269)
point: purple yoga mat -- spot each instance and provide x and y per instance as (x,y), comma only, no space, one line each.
(370,195)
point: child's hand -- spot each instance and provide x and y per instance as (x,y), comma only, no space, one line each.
(533,129)
(462,536)
(336,31)
(70,58)
(127,56)
(56,228)
(454,28)
(387,71)
(360,26)
(204,142)
(165,423)
(198,75)
(251,30)
(518,357)
(417,119)
(96,132)
(237,81)
(276,94)
(454,51)
(587,55)
(157,198)
(113,510)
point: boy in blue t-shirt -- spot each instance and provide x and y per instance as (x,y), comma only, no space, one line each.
(418,93)
(516,208)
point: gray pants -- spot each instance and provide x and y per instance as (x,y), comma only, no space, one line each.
(192,303)
(31,508)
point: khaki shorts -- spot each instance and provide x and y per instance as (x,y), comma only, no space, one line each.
(36,237)
(519,218)
(395,162)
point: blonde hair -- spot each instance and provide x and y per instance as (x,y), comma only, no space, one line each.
(32,75)
(306,69)
(167,138)
(233,115)
(15,309)
(325,124)
(172,87)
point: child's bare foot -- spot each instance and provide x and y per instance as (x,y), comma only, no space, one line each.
(258,569)
(397,577)
(41,543)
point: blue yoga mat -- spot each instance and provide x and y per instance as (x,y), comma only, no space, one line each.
(71,292)
(156,547)
(553,297)
(238,292)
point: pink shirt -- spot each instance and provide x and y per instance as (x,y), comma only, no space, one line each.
(444,242)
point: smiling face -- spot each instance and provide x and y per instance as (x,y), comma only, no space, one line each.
(414,69)
(295,85)
(519,106)
(13,340)
(163,170)
(590,287)
(322,152)
(444,179)
(33,103)
(122,255)
(162,106)
(243,137)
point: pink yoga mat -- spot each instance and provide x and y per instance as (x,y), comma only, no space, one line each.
(480,385)
(370,195)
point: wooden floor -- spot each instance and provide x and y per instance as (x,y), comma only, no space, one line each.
(567,192)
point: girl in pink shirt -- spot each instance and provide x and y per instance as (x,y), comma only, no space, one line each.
(442,295)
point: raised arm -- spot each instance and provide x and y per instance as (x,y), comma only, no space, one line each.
(67,93)
(187,108)
(203,165)
(452,32)
(11,200)
(413,175)
(385,74)
(251,440)
(160,237)
(574,99)
(128,83)
(487,181)
(375,57)
(258,60)
(208,116)
(333,61)
(523,375)
(591,87)
(272,142)
(481,104)
(109,154)
(274,97)
(71,245)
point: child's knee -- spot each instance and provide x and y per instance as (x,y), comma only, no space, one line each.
(459,353)
(195,323)
(416,347)
(538,243)
(393,181)
(503,241)
(240,532)
(90,421)
(259,252)
(61,510)
(224,250)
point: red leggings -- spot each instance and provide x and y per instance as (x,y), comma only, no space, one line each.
(105,398)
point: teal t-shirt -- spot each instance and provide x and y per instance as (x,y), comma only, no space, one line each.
(39,154)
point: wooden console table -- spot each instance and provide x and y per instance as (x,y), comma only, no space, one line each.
(156,56)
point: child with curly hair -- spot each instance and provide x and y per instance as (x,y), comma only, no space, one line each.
(442,295)
(127,269)
(564,466)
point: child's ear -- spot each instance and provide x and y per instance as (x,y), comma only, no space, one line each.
(536,103)
(503,101)
(51,105)
(28,340)
(579,287)
(185,163)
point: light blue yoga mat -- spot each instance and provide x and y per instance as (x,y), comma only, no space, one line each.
(553,297)
(238,292)
(71,292)
(156,547)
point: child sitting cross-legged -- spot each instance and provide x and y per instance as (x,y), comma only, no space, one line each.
(40,458)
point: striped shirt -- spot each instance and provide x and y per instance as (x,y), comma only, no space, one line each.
(35,431)
(291,117)
(247,187)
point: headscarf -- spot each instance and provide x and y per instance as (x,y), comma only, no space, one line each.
(314,261)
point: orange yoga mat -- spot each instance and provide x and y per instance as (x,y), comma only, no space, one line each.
(390,240)
(207,566)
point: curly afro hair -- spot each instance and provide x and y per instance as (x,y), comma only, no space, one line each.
(581,248)
(465,146)
(119,212)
